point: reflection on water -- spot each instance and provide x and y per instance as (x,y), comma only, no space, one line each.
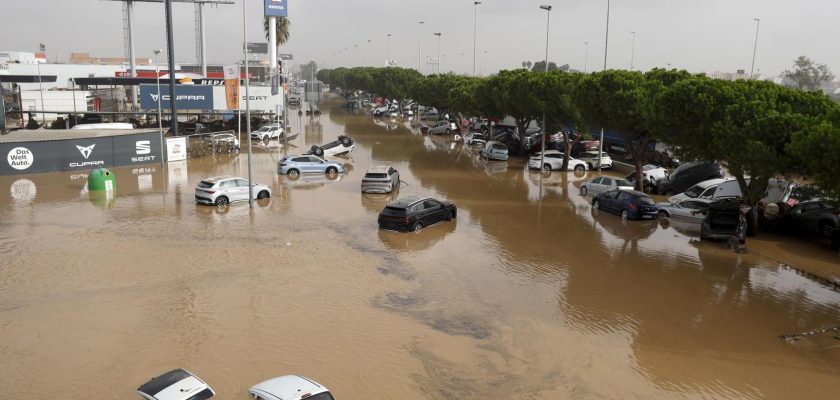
(529,294)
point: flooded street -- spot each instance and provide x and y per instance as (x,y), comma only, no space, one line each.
(528,295)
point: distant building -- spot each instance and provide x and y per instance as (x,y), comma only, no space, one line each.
(86,58)
(732,76)
(22,57)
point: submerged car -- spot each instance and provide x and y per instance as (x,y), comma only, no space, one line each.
(221,191)
(724,220)
(440,128)
(494,150)
(629,204)
(343,145)
(592,160)
(688,175)
(690,209)
(290,387)
(308,164)
(268,132)
(553,161)
(475,139)
(702,190)
(809,217)
(178,384)
(603,184)
(414,213)
(380,179)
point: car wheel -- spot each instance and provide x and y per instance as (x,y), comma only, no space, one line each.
(262,195)
(579,168)
(826,228)
(583,191)
(448,131)
(222,201)
(625,215)
(332,170)
(417,227)
(293,172)
(596,204)
(547,167)
(663,214)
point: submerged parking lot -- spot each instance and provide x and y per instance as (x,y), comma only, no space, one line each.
(528,294)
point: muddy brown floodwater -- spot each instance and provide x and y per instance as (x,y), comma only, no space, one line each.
(528,295)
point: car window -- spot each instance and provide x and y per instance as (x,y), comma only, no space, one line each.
(205,185)
(417,207)
(597,181)
(607,181)
(694,191)
(228,184)
(644,200)
(623,196)
(709,192)
(315,160)
(428,204)
(300,159)
(241,182)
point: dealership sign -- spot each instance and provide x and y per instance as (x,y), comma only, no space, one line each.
(275,8)
(81,154)
(188,97)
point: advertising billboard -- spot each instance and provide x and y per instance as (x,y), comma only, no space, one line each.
(80,154)
(275,8)
(189,97)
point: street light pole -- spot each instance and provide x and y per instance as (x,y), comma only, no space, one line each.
(475,29)
(632,49)
(606,47)
(160,112)
(755,46)
(586,58)
(438,34)
(544,127)
(247,102)
(420,47)
(388,52)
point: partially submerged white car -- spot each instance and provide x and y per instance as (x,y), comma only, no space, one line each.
(178,384)
(290,387)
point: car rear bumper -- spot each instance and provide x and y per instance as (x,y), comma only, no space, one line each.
(203,200)
(376,188)
(393,226)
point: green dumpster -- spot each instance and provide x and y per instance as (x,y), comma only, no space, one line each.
(102,179)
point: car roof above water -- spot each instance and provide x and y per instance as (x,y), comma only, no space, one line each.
(378,169)
(288,387)
(406,202)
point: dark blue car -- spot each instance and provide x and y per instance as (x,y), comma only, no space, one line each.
(629,204)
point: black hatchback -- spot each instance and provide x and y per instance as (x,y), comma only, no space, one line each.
(414,213)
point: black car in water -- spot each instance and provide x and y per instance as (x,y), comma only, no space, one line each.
(414,213)
(809,217)
(688,175)
(724,221)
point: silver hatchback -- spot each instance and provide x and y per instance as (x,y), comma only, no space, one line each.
(380,179)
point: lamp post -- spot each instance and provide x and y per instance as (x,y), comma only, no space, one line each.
(586,58)
(475,29)
(544,127)
(755,46)
(606,47)
(632,49)
(157,78)
(419,46)
(388,52)
(438,34)
(247,102)
(40,89)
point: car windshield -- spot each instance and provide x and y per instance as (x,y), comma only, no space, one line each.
(694,191)
(645,201)
(372,175)
(265,129)
(205,185)
(321,396)
(497,146)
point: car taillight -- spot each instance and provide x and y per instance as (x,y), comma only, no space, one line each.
(210,191)
(632,206)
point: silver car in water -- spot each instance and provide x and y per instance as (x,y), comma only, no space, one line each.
(305,163)
(380,179)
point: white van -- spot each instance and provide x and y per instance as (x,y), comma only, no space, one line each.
(702,190)
(778,190)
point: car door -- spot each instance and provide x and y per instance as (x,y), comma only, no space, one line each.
(315,165)
(619,202)
(595,186)
(683,209)
(608,183)
(242,189)
(434,210)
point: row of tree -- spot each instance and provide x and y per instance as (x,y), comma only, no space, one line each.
(757,129)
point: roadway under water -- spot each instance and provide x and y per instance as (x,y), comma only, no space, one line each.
(529,294)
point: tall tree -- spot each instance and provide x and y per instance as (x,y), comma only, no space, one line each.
(561,110)
(283,25)
(807,74)
(747,125)
(513,93)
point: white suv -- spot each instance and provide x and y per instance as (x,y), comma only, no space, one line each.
(223,191)
(290,387)
(268,132)
(591,159)
(553,161)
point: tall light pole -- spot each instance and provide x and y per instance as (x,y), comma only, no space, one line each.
(247,100)
(420,46)
(438,34)
(388,51)
(755,46)
(586,58)
(544,127)
(606,47)
(157,78)
(632,49)
(475,29)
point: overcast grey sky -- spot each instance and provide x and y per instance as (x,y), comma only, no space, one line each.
(698,35)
